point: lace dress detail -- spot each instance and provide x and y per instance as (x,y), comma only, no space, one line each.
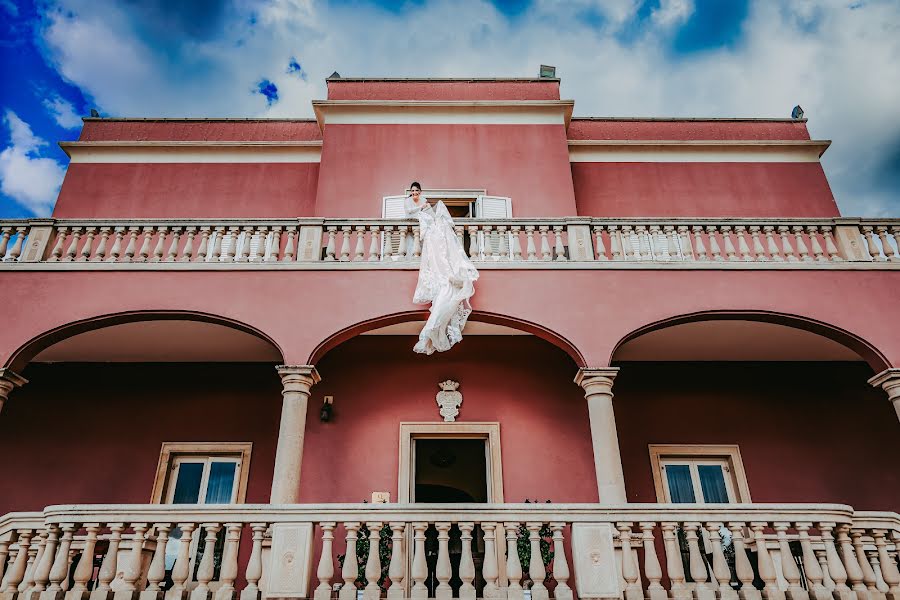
(446,278)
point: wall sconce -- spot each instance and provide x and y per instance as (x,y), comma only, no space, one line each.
(325,413)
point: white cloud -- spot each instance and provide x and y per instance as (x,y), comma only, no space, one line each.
(29,179)
(839,63)
(62,112)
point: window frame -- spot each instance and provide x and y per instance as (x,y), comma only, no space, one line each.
(171,452)
(661,454)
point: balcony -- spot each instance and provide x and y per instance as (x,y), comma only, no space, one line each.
(656,551)
(557,243)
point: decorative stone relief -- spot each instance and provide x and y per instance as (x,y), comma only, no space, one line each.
(290,561)
(449,400)
(595,561)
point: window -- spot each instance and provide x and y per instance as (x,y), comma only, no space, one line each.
(202,473)
(698,474)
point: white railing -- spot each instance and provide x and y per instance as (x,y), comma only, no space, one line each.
(377,243)
(661,552)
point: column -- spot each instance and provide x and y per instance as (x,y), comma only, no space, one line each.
(8,382)
(296,382)
(889,380)
(597,384)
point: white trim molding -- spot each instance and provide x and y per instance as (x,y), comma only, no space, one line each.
(430,112)
(193,152)
(713,151)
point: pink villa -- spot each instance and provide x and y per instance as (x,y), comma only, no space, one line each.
(681,379)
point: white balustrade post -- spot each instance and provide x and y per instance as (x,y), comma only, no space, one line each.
(290,249)
(157,571)
(729,244)
(42,568)
(889,571)
(598,243)
(35,556)
(616,243)
(181,571)
(419,565)
(560,564)
(132,572)
(73,244)
(536,569)
(801,244)
(784,231)
(545,244)
(203,248)
(758,250)
(743,568)
(325,570)
(15,574)
(836,569)
(674,567)
(514,589)
(207,564)
(59,572)
(350,569)
(489,569)
(702,589)
(827,581)
(888,380)
(100,254)
(851,564)
(714,242)
(789,568)
(442,571)
(345,243)
(699,246)
(597,384)
(765,564)
(373,563)
(868,574)
(813,232)
(530,251)
(254,564)
(652,568)
(296,383)
(630,572)
(397,568)
(466,563)
(771,245)
(85,254)
(229,571)
(811,567)
(359,252)
(720,571)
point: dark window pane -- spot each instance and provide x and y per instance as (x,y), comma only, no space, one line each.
(221,482)
(712,481)
(187,486)
(680,488)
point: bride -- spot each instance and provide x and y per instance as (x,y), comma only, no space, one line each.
(446,276)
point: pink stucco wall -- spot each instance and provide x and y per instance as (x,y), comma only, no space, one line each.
(443,90)
(231,130)
(688,129)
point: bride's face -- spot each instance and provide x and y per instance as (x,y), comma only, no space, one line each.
(415,193)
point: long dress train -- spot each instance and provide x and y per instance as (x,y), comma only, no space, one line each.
(446,278)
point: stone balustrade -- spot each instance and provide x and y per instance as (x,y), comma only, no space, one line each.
(655,551)
(502,243)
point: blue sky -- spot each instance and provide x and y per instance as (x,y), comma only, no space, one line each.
(839,59)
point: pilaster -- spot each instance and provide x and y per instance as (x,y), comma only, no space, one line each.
(296,382)
(597,384)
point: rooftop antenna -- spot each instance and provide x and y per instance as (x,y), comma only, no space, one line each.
(547,72)
(95,114)
(797,113)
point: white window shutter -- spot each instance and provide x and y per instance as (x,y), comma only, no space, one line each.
(493,207)
(393,207)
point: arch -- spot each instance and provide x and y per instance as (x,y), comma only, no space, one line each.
(421,315)
(863,348)
(27,351)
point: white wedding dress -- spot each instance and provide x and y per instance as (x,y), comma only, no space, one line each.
(446,277)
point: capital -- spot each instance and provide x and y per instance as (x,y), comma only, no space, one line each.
(889,381)
(8,382)
(298,378)
(596,380)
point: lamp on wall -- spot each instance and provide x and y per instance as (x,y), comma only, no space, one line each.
(325,412)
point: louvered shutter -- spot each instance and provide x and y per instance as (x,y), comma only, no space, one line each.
(492,207)
(393,207)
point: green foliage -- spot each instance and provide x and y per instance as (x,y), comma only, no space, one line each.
(385,545)
(523,545)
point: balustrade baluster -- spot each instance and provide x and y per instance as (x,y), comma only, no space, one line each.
(35,557)
(702,589)
(460,231)
(373,563)
(442,570)
(740,232)
(826,578)
(207,564)
(729,244)
(658,248)
(672,240)
(758,250)
(350,569)
(771,244)
(466,563)
(42,568)
(16,250)
(868,574)
(345,243)
(889,572)
(258,250)
(402,249)
(560,564)
(88,246)
(231,253)
(699,246)
(289,247)
(254,564)
(489,569)
(144,252)
(360,251)
(801,244)
(229,571)
(4,556)
(73,245)
(786,246)
(714,248)
(397,567)
(15,574)
(630,573)
(652,568)
(100,254)
(187,254)
(643,242)
(674,566)
(811,568)
(851,564)
(812,231)
(374,248)
(85,569)
(172,254)
(836,568)
(545,245)
(325,570)
(387,248)
(895,232)
(160,244)
(487,242)
(133,564)
(529,238)
(616,243)
(504,243)
(516,231)
(536,569)
(246,245)
(742,567)
(831,249)
(157,571)
(628,244)
(560,248)
(875,563)
(682,241)
(181,572)
(765,564)
(886,245)
(789,569)
(57,251)
(419,566)
(599,246)
(721,574)
(417,243)
(116,251)
(514,590)
(5,234)
(203,249)
(59,571)
(218,242)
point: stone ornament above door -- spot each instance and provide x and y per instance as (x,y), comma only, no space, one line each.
(449,400)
